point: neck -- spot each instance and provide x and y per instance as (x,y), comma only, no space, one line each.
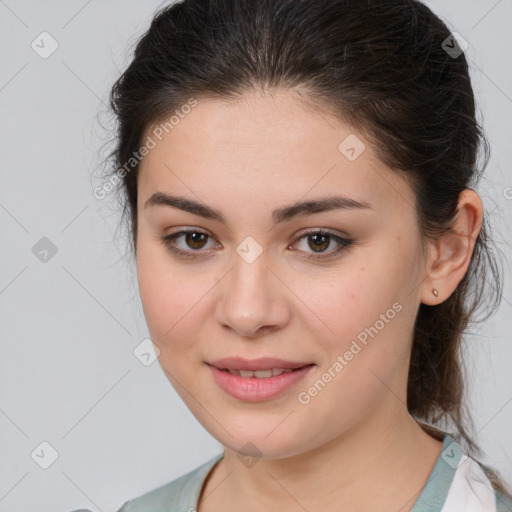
(364,466)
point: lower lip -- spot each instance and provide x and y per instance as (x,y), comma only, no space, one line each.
(252,389)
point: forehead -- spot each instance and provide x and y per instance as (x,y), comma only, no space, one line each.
(276,147)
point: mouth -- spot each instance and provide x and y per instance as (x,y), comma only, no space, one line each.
(258,379)
(261,368)
(259,374)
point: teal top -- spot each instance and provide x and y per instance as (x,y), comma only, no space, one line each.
(456,484)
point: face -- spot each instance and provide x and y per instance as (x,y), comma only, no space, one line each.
(328,291)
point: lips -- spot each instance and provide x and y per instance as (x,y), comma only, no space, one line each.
(257,380)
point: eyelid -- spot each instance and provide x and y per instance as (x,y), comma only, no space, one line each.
(326,231)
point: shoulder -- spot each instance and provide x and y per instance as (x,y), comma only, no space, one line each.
(472,489)
(179,495)
(458,483)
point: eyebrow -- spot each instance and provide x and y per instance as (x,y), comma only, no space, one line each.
(278,215)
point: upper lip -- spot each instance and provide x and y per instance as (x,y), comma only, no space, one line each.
(263,363)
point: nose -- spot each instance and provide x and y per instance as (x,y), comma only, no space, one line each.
(252,300)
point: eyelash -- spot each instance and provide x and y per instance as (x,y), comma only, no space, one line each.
(168,242)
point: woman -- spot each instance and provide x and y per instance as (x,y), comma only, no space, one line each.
(298,178)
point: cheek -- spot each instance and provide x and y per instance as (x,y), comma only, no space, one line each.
(365,360)
(365,314)
(168,295)
(346,301)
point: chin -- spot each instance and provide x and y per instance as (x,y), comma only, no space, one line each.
(261,442)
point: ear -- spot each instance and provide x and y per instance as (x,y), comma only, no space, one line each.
(450,255)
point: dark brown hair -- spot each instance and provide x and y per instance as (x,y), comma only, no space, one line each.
(381,66)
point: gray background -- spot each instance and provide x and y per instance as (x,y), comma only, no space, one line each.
(69,326)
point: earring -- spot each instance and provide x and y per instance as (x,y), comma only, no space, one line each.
(435,292)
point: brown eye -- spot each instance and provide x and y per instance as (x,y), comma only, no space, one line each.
(318,241)
(195,239)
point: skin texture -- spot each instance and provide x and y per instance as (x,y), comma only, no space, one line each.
(354,443)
